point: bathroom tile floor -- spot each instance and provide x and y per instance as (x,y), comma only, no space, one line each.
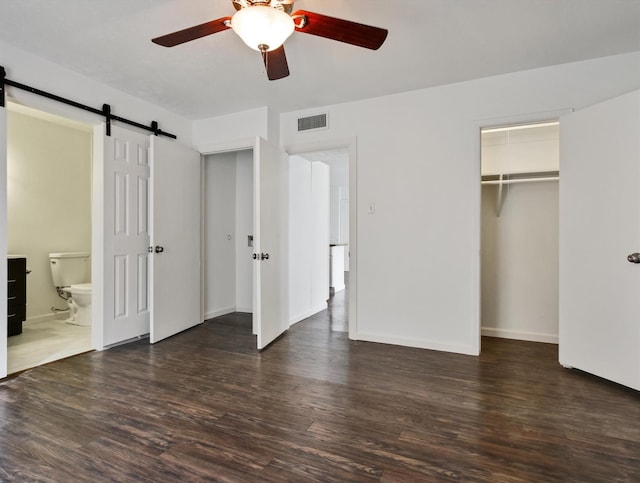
(43,342)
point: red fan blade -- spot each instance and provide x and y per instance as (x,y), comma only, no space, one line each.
(276,63)
(343,30)
(192,33)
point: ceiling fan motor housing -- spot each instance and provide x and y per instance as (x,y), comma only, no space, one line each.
(284,5)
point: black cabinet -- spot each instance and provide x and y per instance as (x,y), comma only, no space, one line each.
(16,294)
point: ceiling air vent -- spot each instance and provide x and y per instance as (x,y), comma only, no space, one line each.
(319,121)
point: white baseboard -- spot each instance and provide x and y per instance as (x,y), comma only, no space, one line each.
(247,310)
(219,312)
(47,317)
(418,343)
(520,335)
(307,313)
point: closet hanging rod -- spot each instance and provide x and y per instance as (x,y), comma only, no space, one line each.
(105,111)
(520,177)
(515,181)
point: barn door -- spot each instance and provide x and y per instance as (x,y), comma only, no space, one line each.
(125,309)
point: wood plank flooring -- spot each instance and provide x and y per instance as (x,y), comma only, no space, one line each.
(205,406)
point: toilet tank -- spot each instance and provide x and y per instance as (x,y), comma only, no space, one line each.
(70,268)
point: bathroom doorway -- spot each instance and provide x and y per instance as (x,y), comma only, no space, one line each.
(49,199)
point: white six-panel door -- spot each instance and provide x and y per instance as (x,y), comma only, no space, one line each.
(126,306)
(599,228)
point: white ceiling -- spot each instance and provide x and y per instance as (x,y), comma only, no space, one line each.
(430,42)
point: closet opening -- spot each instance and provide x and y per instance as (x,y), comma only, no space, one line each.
(520,231)
(228,238)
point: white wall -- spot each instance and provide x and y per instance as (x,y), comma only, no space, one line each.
(228,221)
(49,200)
(244,228)
(232,131)
(308,237)
(418,280)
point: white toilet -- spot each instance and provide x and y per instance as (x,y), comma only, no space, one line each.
(72,277)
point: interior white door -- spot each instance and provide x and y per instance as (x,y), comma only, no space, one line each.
(599,228)
(3,241)
(271,240)
(175,231)
(126,236)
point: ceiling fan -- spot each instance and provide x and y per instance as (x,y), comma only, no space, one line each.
(264,25)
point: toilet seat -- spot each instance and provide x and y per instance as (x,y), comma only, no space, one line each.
(80,288)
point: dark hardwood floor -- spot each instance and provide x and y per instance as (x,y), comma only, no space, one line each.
(205,406)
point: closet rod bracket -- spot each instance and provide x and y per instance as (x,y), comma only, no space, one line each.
(502,194)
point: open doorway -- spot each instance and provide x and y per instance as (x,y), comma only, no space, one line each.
(520,231)
(318,224)
(49,199)
(336,248)
(270,247)
(228,234)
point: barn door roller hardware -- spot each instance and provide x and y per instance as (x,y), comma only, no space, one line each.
(104,112)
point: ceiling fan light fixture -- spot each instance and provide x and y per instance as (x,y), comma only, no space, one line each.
(262,28)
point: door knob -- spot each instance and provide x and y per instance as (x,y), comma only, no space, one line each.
(159,249)
(634,258)
(254,256)
(264,256)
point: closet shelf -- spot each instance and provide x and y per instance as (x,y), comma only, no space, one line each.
(511,178)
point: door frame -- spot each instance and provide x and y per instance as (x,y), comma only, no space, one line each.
(97,237)
(351,145)
(97,228)
(3,240)
(206,150)
(478,126)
